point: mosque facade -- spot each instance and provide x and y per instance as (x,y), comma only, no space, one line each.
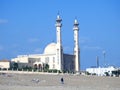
(53,54)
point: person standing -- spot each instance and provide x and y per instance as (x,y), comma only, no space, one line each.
(62,80)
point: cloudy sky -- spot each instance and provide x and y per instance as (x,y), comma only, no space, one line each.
(27,26)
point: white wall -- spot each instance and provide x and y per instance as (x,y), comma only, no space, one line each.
(5,65)
(100,71)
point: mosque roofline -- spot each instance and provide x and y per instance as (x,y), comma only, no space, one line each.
(4,61)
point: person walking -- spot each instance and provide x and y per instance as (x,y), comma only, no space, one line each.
(62,80)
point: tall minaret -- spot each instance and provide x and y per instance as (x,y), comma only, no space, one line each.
(76,46)
(59,52)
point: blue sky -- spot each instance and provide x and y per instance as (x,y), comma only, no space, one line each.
(27,26)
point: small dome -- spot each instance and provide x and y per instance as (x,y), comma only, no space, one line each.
(50,48)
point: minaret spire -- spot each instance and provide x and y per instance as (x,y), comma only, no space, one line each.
(76,46)
(59,50)
(58,29)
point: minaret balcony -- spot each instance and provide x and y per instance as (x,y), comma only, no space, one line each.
(58,24)
(75,28)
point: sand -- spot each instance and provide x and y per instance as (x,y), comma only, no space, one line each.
(12,81)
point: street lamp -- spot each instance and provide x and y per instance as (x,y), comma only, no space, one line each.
(104,53)
(97,60)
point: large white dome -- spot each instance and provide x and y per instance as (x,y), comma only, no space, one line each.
(50,48)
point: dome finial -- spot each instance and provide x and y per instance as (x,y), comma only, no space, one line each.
(75,17)
(58,15)
(58,20)
(75,21)
(76,24)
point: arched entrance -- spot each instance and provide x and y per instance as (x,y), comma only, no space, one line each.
(40,67)
(35,66)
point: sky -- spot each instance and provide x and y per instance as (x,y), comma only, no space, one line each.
(28,26)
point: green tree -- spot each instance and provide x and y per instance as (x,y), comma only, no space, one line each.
(45,67)
(15,66)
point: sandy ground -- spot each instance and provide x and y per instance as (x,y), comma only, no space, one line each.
(52,82)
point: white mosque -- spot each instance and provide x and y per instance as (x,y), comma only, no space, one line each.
(53,54)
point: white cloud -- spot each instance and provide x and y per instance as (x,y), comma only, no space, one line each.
(32,40)
(2,21)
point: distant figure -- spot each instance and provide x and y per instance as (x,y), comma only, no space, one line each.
(62,80)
